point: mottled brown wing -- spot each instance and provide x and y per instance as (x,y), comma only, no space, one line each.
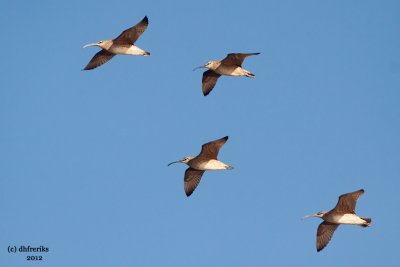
(210,150)
(191,180)
(324,234)
(236,58)
(129,36)
(99,59)
(210,78)
(347,202)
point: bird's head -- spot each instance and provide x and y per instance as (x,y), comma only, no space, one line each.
(184,160)
(209,65)
(99,44)
(318,214)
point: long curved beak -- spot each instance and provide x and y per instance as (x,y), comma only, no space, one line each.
(308,216)
(174,162)
(199,67)
(93,44)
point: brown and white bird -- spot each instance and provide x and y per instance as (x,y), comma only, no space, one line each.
(231,65)
(205,161)
(122,45)
(343,213)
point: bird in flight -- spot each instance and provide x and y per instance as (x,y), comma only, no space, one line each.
(231,65)
(124,44)
(343,213)
(205,161)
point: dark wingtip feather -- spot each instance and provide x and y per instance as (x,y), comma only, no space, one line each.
(206,93)
(368,222)
(321,248)
(87,68)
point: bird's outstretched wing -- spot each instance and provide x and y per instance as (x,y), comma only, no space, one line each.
(210,150)
(210,78)
(129,36)
(347,202)
(191,180)
(324,234)
(99,59)
(236,58)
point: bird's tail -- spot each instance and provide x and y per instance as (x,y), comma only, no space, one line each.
(250,75)
(368,222)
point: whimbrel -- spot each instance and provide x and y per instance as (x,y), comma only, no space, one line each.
(343,213)
(231,65)
(123,45)
(205,161)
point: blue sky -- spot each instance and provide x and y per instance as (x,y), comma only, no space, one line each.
(84,154)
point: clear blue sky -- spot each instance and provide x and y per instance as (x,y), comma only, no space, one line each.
(84,154)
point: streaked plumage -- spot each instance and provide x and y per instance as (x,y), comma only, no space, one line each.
(206,160)
(123,45)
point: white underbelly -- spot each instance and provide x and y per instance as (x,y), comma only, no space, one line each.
(230,70)
(348,219)
(126,50)
(212,165)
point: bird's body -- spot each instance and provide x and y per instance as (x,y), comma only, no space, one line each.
(347,218)
(122,45)
(228,70)
(125,50)
(343,213)
(205,161)
(231,65)
(209,165)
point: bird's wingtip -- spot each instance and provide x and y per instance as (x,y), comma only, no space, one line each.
(206,92)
